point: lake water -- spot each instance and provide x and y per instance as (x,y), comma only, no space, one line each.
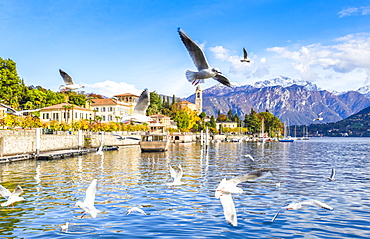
(128,178)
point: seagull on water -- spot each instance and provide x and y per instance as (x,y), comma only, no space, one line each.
(11,197)
(298,205)
(332,176)
(135,209)
(245,59)
(69,84)
(64,227)
(88,204)
(176,174)
(249,156)
(200,61)
(227,187)
(138,115)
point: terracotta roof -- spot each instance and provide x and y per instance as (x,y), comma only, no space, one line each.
(159,116)
(60,106)
(186,102)
(103,102)
(127,94)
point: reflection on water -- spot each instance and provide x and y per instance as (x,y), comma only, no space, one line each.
(128,178)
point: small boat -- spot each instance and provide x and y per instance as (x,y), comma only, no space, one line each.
(154,143)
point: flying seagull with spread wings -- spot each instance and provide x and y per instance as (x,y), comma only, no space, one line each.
(227,187)
(69,83)
(245,59)
(88,204)
(139,112)
(200,61)
(11,197)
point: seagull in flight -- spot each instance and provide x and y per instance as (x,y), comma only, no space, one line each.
(88,204)
(245,59)
(176,174)
(332,176)
(298,205)
(100,150)
(11,197)
(69,84)
(200,61)
(10,110)
(319,118)
(227,187)
(120,137)
(249,156)
(135,209)
(139,112)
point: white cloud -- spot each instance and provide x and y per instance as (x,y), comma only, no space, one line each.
(256,68)
(351,11)
(111,88)
(347,54)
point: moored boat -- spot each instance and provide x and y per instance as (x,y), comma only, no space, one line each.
(154,143)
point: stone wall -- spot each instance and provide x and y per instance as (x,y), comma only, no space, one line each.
(24,141)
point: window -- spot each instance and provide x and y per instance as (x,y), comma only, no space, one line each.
(103,109)
(110,118)
(55,116)
(110,109)
(96,109)
(103,117)
(45,116)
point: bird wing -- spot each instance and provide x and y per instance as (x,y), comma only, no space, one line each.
(17,191)
(173,172)
(196,53)
(67,79)
(142,103)
(222,79)
(313,202)
(4,192)
(90,194)
(332,173)
(273,219)
(250,176)
(229,209)
(245,53)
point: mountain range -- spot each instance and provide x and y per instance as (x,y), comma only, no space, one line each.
(295,102)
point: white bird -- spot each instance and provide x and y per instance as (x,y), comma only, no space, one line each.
(135,209)
(11,197)
(245,59)
(298,205)
(332,176)
(176,174)
(69,84)
(120,137)
(100,150)
(88,204)
(319,118)
(227,187)
(10,110)
(200,61)
(64,227)
(249,156)
(139,111)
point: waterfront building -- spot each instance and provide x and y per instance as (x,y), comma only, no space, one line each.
(226,124)
(161,123)
(66,113)
(111,110)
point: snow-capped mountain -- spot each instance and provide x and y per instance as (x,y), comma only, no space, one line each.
(286,82)
(365,90)
(297,101)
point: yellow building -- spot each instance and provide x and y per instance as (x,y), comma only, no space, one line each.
(184,104)
(227,124)
(128,99)
(65,112)
(161,123)
(111,110)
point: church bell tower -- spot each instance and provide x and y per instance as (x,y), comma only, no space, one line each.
(198,99)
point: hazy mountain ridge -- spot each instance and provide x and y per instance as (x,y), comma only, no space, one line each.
(298,102)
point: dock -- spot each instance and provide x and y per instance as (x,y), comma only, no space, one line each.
(14,158)
(59,154)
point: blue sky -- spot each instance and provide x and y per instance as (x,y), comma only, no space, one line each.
(123,46)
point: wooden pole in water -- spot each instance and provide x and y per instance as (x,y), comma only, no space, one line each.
(207,138)
(38,140)
(201,138)
(80,139)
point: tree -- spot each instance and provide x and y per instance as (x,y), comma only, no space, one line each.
(155,105)
(182,119)
(230,115)
(222,118)
(11,86)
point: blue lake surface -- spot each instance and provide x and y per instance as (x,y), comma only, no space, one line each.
(128,178)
